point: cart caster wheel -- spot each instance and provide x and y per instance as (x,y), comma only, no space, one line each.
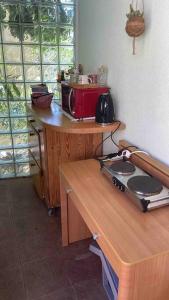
(51,212)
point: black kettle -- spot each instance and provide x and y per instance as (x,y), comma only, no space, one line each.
(105,110)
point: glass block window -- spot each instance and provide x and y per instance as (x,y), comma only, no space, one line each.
(36,41)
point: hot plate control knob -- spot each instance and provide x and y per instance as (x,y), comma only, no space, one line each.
(122,188)
(115,182)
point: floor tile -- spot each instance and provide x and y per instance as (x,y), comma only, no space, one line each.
(11,284)
(4,208)
(90,290)
(74,250)
(4,191)
(11,188)
(86,268)
(35,225)
(66,293)
(7,230)
(44,277)
(9,255)
(37,247)
(28,207)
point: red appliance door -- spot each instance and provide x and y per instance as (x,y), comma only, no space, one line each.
(72,102)
(65,97)
(68,100)
(85,100)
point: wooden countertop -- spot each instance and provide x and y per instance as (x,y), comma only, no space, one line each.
(132,236)
(53,117)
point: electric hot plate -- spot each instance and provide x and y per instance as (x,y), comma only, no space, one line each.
(146,191)
(144,185)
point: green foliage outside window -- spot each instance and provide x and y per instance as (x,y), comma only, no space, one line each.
(30,14)
(36,41)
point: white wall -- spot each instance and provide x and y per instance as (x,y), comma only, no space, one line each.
(139,84)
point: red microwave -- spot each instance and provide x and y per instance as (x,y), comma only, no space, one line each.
(80,101)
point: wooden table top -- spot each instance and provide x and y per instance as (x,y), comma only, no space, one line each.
(54,118)
(133,236)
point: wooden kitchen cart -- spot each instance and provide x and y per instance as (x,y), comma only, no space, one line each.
(61,140)
(135,243)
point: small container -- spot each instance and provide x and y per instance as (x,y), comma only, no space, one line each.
(93,78)
(42,100)
(73,78)
(39,88)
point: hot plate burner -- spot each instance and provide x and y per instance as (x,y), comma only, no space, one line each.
(123,168)
(144,185)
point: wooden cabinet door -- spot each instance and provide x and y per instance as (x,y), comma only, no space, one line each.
(44,165)
(77,228)
(37,178)
(35,158)
(62,147)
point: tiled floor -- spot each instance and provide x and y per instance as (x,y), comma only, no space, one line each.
(33,264)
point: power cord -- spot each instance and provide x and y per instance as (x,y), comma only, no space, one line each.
(111,155)
(109,136)
(127,154)
(100,144)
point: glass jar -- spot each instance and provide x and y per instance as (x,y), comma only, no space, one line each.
(102,75)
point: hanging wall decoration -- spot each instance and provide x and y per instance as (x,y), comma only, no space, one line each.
(135,25)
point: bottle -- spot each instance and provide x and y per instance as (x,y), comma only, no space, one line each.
(62,75)
(102,75)
(80,68)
